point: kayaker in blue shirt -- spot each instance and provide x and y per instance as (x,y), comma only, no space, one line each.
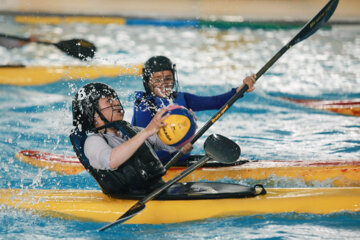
(161,89)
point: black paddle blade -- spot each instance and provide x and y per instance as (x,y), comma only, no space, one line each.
(314,24)
(222,149)
(134,210)
(78,48)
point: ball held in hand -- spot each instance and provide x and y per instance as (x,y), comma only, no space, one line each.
(180,127)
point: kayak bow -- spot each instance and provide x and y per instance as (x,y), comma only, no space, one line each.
(345,107)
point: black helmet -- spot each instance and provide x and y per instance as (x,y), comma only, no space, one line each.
(157,64)
(85,104)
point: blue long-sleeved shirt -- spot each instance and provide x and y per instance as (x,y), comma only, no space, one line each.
(144,112)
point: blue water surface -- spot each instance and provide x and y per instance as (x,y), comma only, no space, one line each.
(209,61)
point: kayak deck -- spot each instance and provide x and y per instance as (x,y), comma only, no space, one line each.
(92,205)
(339,173)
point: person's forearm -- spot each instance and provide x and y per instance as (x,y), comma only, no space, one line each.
(124,151)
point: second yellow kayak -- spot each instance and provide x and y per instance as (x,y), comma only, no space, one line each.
(37,75)
(340,173)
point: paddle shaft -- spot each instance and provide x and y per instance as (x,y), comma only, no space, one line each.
(183,174)
(141,203)
(25,39)
(14,37)
(308,29)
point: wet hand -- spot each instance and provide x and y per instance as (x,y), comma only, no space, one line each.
(157,122)
(186,148)
(250,81)
(192,112)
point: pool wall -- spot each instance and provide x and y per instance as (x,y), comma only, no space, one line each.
(229,10)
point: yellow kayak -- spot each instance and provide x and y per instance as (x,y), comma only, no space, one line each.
(339,173)
(92,205)
(37,75)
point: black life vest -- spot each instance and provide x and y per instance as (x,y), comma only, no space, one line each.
(140,174)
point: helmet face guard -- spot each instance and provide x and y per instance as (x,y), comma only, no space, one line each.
(158,64)
(85,104)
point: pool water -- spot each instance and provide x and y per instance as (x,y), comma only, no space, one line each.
(209,61)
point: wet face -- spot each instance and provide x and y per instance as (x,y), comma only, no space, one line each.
(162,83)
(111,109)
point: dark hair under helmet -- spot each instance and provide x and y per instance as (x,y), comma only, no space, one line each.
(157,64)
(85,104)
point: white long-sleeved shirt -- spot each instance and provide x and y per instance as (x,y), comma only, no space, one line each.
(98,151)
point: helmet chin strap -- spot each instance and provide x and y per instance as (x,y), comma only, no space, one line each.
(102,117)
